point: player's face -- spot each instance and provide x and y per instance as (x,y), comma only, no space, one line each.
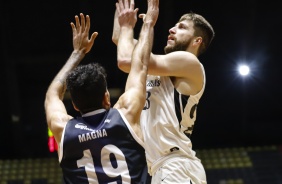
(180,37)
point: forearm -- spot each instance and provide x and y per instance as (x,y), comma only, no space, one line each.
(141,57)
(144,46)
(116,29)
(58,85)
(125,48)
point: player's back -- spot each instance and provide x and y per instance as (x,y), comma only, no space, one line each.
(101,147)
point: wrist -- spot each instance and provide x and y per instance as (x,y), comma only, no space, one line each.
(78,55)
(78,52)
(126,28)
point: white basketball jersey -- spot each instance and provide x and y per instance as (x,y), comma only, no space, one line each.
(167,120)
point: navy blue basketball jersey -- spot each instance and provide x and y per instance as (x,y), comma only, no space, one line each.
(101,147)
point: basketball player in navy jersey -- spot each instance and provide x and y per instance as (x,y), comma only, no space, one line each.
(104,145)
(175,84)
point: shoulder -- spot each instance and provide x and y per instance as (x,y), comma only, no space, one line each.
(178,55)
(177,64)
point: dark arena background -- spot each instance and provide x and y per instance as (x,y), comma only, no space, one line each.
(237,134)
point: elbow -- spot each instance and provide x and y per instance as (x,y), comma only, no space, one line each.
(124,64)
(115,40)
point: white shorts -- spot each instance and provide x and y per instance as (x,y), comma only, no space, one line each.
(180,170)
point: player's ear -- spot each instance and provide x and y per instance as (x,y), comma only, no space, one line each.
(198,40)
(107,100)
(74,106)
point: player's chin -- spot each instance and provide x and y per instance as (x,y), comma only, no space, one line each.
(170,42)
(168,48)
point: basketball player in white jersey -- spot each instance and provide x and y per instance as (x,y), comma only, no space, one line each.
(104,144)
(175,84)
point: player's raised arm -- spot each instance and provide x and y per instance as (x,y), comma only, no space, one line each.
(135,92)
(55,110)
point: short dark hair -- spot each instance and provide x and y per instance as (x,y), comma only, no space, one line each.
(87,86)
(202,28)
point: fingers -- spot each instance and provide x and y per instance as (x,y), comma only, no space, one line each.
(117,8)
(132,4)
(82,20)
(135,11)
(126,6)
(80,24)
(77,23)
(73,28)
(93,37)
(80,30)
(87,23)
(121,6)
(142,16)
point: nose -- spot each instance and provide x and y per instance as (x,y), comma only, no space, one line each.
(172,30)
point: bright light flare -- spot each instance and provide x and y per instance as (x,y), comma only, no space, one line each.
(244,70)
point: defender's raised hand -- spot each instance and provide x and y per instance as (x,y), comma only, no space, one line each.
(80,31)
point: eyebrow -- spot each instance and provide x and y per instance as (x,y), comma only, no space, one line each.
(182,24)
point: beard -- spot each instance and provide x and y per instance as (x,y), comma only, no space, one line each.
(179,46)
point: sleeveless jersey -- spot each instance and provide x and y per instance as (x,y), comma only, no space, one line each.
(101,147)
(167,121)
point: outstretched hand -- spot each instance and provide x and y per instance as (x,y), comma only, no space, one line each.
(80,32)
(152,12)
(127,15)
